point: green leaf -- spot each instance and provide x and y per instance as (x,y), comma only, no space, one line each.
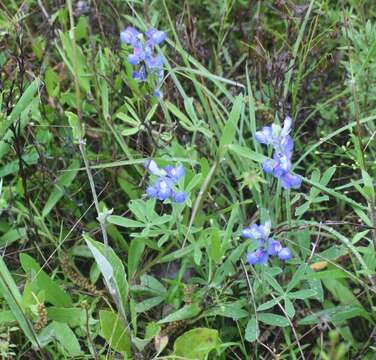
(75,61)
(368,188)
(53,293)
(136,250)
(273,319)
(113,273)
(20,112)
(186,312)
(9,291)
(196,343)
(215,248)
(124,222)
(336,314)
(67,338)
(72,316)
(11,236)
(232,310)
(114,331)
(297,277)
(229,131)
(76,126)
(289,308)
(22,104)
(63,182)
(269,304)
(246,153)
(302,294)
(341,292)
(252,330)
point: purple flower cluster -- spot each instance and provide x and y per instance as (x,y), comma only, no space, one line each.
(280,165)
(143,56)
(163,187)
(267,246)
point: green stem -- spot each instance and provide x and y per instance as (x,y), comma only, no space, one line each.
(101,219)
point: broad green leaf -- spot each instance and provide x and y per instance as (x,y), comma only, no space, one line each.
(11,236)
(136,250)
(196,343)
(335,314)
(302,294)
(252,330)
(232,310)
(53,292)
(113,273)
(341,292)
(70,315)
(146,305)
(186,312)
(269,304)
(67,338)
(297,277)
(215,248)
(114,331)
(289,308)
(6,316)
(124,222)
(273,319)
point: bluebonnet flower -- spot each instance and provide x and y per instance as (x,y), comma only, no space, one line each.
(282,143)
(163,186)
(149,64)
(266,245)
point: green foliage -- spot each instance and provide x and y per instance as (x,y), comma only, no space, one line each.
(173,280)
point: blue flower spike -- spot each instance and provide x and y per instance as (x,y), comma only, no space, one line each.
(266,246)
(164,186)
(143,56)
(280,165)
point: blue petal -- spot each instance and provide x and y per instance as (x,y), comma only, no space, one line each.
(263,256)
(133,59)
(252,232)
(155,36)
(274,247)
(264,136)
(164,188)
(252,258)
(269,165)
(291,181)
(155,62)
(175,173)
(153,168)
(139,75)
(158,93)
(129,36)
(287,124)
(247,233)
(179,197)
(151,191)
(285,254)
